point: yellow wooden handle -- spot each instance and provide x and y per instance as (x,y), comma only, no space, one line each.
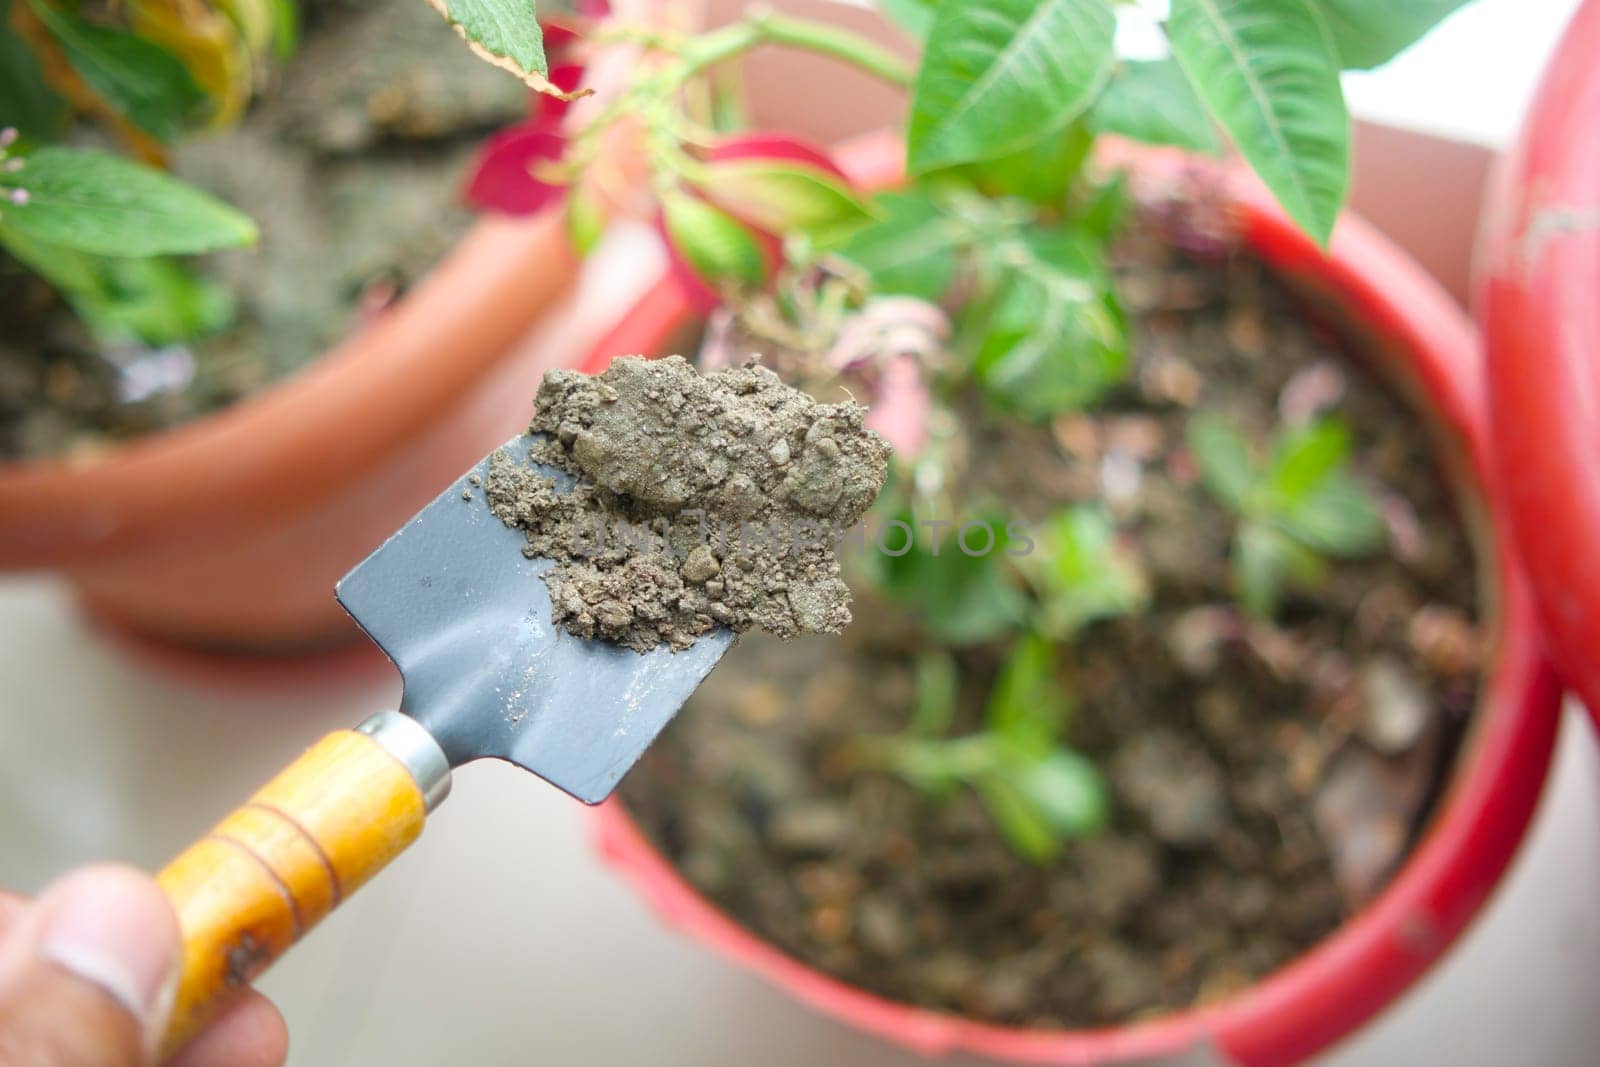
(267,873)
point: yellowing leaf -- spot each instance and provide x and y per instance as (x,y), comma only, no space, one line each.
(207,43)
(505,34)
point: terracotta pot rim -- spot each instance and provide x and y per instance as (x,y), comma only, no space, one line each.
(303,435)
(1351,975)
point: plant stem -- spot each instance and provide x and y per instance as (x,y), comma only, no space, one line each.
(770,27)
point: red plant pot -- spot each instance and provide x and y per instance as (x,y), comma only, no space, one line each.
(228,533)
(1538,299)
(1424,343)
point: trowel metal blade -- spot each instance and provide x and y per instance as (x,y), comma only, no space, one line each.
(466,617)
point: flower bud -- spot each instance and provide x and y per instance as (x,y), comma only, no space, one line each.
(713,248)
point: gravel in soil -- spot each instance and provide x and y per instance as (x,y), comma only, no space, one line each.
(1267,780)
(351,162)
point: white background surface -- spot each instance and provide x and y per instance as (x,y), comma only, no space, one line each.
(500,938)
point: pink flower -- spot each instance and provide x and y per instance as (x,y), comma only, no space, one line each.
(747,200)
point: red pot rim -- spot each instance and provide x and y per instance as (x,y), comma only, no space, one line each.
(1369,961)
(301,439)
(1538,298)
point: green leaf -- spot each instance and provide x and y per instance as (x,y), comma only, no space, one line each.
(1068,790)
(961,599)
(1340,517)
(26,100)
(1150,101)
(1266,70)
(1369,33)
(1054,338)
(1266,562)
(911,249)
(153,301)
(1312,498)
(937,687)
(1104,210)
(156,301)
(1028,706)
(256,21)
(286,28)
(1042,173)
(1305,458)
(1082,574)
(1026,828)
(505,33)
(933,766)
(781,197)
(714,244)
(103,204)
(1224,459)
(913,16)
(1000,75)
(145,83)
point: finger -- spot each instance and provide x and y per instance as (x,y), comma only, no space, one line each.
(86,972)
(249,1033)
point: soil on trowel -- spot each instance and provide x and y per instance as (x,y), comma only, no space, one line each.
(351,162)
(700,501)
(1266,779)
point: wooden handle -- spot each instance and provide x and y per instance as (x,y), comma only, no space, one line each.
(267,873)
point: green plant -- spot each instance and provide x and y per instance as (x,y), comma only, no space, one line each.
(104,229)
(988,271)
(99,227)
(1082,574)
(1037,790)
(1295,509)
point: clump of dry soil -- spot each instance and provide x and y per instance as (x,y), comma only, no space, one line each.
(700,501)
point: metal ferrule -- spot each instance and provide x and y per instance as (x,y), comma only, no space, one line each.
(409,742)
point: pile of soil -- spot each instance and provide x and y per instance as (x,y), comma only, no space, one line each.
(351,162)
(1266,779)
(700,501)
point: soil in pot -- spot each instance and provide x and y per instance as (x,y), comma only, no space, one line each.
(351,162)
(1266,779)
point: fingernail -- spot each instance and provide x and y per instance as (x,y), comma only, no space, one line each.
(103,927)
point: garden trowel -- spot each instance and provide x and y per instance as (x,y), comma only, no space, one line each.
(466,617)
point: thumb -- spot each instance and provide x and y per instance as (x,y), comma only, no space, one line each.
(87,972)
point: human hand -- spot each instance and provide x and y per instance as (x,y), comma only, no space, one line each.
(87,973)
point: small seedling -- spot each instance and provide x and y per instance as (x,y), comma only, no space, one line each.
(1295,511)
(1038,791)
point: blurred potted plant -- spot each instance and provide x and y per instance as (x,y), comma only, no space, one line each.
(1169,725)
(169,437)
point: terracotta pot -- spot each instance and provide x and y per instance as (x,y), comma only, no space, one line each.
(1419,338)
(229,532)
(1539,302)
